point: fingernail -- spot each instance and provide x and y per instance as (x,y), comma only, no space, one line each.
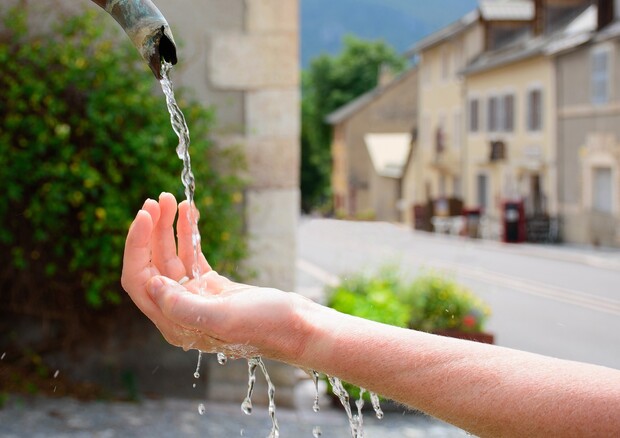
(155,285)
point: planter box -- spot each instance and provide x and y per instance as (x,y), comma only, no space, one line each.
(485,338)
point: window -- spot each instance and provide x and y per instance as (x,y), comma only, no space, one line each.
(456,132)
(600,76)
(508,113)
(445,64)
(602,193)
(483,191)
(492,119)
(534,110)
(474,115)
(457,187)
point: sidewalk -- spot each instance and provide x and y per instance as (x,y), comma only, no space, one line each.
(41,417)
(600,257)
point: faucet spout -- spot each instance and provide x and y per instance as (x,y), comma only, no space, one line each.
(146,27)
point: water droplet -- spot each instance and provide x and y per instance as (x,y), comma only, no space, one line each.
(197,372)
(201,409)
(194,386)
(315,379)
(54,389)
(222,359)
(374,398)
(241,432)
(316,432)
(56,373)
(3,356)
(246,406)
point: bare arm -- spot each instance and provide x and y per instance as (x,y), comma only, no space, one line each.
(487,390)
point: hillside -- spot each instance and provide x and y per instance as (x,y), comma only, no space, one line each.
(400,22)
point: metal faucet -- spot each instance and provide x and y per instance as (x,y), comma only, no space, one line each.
(146,27)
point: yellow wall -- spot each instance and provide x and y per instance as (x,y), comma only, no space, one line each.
(441,99)
(527,152)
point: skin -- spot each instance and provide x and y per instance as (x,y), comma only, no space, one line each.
(487,390)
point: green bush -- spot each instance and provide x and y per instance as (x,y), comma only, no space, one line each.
(440,303)
(430,303)
(371,297)
(84,141)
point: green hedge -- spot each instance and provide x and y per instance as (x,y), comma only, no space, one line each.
(84,140)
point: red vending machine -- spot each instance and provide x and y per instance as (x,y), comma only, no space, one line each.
(513,222)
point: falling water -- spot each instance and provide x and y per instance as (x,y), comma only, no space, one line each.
(246,406)
(179,125)
(376,405)
(315,379)
(271,392)
(343,396)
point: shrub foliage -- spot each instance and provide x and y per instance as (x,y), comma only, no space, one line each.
(84,140)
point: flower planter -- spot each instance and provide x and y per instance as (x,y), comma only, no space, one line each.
(485,338)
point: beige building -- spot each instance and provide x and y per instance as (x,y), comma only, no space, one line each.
(511,140)
(437,160)
(588,71)
(372,140)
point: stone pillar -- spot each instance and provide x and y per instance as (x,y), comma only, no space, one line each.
(242,56)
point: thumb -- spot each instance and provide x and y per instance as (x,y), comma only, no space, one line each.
(177,303)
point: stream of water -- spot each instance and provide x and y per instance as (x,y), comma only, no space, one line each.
(179,125)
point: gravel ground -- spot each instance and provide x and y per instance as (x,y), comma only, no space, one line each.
(44,417)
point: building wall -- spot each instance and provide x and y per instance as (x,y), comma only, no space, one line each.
(588,139)
(394,110)
(528,152)
(442,104)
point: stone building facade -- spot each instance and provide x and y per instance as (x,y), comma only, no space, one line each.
(368,165)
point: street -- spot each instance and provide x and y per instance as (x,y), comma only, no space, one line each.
(558,301)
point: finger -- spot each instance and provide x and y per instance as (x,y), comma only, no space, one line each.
(152,207)
(185,238)
(164,244)
(137,267)
(138,270)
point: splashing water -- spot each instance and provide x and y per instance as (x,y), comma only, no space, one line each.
(179,125)
(343,396)
(246,406)
(271,392)
(315,380)
(376,405)
(222,359)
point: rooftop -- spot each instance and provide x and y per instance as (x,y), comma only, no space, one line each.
(445,33)
(507,10)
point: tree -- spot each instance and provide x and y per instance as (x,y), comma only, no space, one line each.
(329,83)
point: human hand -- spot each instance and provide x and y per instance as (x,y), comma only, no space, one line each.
(232,318)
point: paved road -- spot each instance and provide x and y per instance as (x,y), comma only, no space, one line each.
(64,418)
(558,301)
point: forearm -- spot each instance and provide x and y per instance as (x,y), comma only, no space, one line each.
(487,390)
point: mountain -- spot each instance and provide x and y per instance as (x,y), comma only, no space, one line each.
(399,22)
